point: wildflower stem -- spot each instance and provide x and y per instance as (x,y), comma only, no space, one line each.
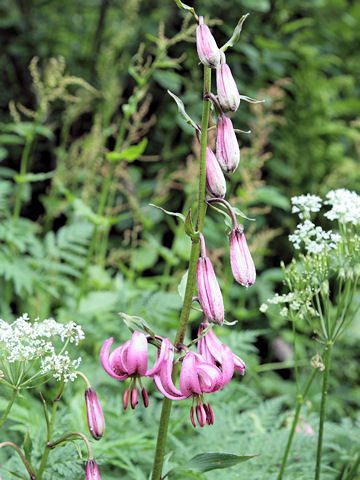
(8,408)
(228,206)
(64,438)
(327,360)
(22,456)
(190,284)
(299,403)
(49,434)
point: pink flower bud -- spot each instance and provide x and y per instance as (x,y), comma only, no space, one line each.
(210,297)
(227,91)
(227,147)
(92,471)
(208,51)
(242,264)
(95,416)
(215,180)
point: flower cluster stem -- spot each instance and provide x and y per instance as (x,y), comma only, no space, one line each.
(190,285)
(327,361)
(299,403)
(49,434)
(8,408)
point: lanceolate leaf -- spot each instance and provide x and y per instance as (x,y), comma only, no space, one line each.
(181,108)
(204,462)
(128,154)
(185,7)
(235,36)
(173,214)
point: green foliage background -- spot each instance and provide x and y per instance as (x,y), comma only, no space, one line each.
(302,57)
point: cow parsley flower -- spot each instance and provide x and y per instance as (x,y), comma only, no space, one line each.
(345,206)
(305,204)
(24,341)
(314,238)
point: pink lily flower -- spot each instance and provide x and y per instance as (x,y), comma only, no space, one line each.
(130,360)
(242,264)
(196,378)
(217,353)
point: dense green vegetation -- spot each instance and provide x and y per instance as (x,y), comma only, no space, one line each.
(85,80)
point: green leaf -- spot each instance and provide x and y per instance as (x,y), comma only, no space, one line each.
(27,446)
(129,154)
(204,462)
(183,6)
(236,34)
(173,214)
(189,229)
(10,139)
(181,108)
(182,285)
(33,177)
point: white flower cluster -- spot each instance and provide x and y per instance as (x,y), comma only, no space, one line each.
(61,366)
(304,204)
(315,239)
(24,341)
(345,206)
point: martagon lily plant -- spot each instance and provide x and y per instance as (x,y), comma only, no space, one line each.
(206,365)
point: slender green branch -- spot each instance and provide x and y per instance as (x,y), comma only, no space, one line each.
(8,408)
(49,434)
(22,456)
(190,285)
(68,436)
(299,403)
(327,361)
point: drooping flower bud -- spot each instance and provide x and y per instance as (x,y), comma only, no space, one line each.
(227,91)
(92,471)
(95,416)
(242,264)
(210,297)
(215,180)
(227,147)
(208,51)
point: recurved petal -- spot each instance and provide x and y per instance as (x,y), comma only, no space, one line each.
(137,354)
(104,359)
(189,381)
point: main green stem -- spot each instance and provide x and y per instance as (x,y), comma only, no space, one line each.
(299,403)
(327,360)
(8,408)
(190,285)
(49,435)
